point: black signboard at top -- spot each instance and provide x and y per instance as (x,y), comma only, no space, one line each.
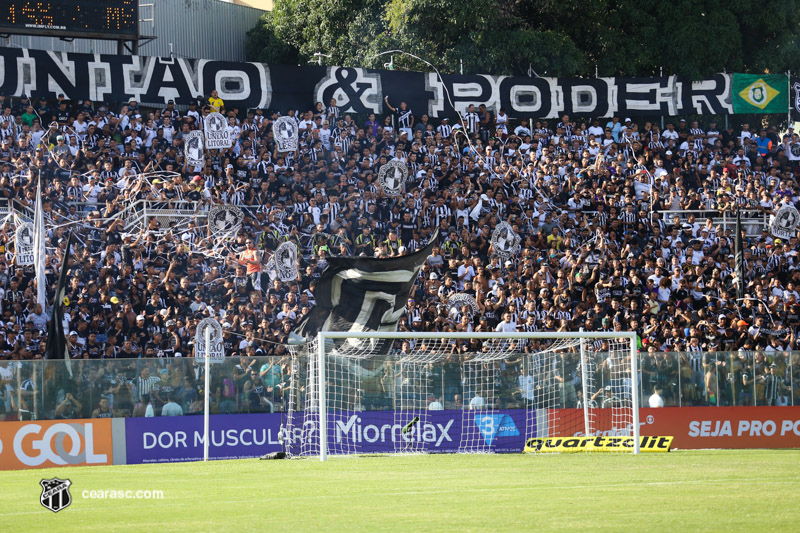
(102,19)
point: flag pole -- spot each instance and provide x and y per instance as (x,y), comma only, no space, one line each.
(789,99)
(207,394)
(39,250)
(19,392)
(739,257)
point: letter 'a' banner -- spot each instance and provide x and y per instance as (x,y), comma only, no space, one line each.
(154,81)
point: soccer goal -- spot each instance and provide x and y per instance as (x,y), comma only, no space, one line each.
(357,393)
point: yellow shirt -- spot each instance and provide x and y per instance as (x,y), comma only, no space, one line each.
(215,103)
(558,239)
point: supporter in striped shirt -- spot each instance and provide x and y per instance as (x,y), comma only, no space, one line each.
(403,115)
(471,119)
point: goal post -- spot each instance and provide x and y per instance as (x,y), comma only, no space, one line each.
(417,392)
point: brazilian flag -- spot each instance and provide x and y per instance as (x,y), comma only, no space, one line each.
(754,93)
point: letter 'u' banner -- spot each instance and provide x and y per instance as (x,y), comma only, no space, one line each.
(152,80)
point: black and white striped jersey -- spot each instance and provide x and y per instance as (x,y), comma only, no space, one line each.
(471,121)
(404,118)
(332,113)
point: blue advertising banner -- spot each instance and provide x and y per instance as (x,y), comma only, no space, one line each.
(437,431)
(178,439)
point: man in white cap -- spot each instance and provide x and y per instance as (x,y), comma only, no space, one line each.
(72,345)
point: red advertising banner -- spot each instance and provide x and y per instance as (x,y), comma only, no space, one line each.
(45,444)
(724,427)
(701,427)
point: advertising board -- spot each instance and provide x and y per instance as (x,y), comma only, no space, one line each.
(45,444)
(696,428)
(177,439)
(725,427)
(49,443)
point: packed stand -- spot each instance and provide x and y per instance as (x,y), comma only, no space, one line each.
(587,197)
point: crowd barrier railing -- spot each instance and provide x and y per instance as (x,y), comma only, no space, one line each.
(753,222)
(140,212)
(119,388)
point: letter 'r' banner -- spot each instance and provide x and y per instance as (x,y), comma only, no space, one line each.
(754,93)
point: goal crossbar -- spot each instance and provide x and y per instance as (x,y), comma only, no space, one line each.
(484,335)
(324,336)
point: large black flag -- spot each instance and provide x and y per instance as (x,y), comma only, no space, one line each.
(56,340)
(739,257)
(363,294)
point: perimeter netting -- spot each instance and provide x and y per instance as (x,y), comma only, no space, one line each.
(457,395)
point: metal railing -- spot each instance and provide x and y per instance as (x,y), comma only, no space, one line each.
(8,207)
(39,389)
(753,225)
(140,213)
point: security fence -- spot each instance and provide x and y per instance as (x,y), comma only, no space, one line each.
(44,390)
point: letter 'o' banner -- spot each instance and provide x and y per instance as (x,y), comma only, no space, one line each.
(152,80)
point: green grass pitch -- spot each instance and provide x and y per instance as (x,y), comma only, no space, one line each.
(752,490)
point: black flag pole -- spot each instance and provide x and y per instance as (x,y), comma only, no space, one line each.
(57,347)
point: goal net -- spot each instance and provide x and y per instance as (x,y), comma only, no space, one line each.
(399,393)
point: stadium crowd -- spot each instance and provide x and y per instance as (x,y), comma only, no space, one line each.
(588,198)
